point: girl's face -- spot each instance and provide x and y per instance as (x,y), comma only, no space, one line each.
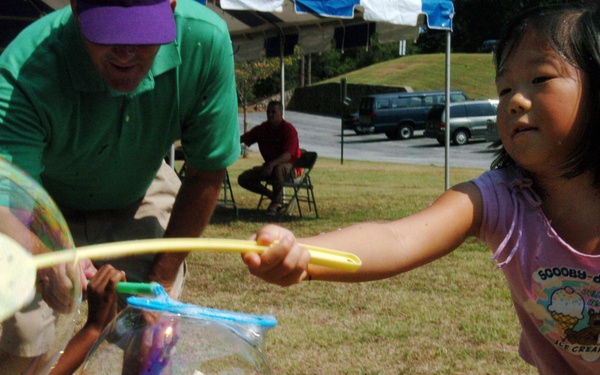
(541,112)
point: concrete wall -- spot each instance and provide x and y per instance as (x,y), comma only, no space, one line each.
(325,98)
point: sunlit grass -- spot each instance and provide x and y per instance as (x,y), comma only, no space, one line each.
(453,316)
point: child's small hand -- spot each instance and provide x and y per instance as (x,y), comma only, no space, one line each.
(102,296)
(284,263)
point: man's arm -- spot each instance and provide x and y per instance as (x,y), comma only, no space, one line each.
(191,213)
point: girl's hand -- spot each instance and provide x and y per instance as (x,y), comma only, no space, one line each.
(284,263)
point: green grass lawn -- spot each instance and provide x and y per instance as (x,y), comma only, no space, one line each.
(453,316)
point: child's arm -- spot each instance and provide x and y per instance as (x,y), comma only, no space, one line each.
(386,248)
(102,308)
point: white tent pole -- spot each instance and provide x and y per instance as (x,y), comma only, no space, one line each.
(447,116)
(172,157)
(282,67)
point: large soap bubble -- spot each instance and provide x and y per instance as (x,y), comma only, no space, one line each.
(162,336)
(32,339)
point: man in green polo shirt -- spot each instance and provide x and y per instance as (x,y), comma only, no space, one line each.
(92,97)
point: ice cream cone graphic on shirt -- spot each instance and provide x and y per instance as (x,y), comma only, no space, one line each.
(566,308)
(565,321)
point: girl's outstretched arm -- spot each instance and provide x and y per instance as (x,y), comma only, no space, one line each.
(385,248)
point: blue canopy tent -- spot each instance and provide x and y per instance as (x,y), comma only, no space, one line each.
(312,24)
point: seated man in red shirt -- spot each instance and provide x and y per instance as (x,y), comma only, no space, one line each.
(279,146)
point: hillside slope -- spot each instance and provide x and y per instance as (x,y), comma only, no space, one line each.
(472,73)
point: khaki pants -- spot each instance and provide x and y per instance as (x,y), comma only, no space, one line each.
(143,220)
(252,179)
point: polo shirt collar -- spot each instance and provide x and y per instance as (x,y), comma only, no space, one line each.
(83,73)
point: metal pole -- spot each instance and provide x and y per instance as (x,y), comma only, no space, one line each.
(172,157)
(343,95)
(447,116)
(309,70)
(282,68)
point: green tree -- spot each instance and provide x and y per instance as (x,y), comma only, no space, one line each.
(476,21)
(334,63)
(268,85)
(247,75)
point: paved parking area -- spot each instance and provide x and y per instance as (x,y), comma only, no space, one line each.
(323,135)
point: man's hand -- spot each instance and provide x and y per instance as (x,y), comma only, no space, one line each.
(88,271)
(57,286)
(167,284)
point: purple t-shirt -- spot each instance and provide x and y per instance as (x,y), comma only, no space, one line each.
(555,288)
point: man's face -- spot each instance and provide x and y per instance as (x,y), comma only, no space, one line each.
(122,66)
(274,115)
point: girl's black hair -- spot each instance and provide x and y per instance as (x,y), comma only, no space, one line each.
(572,31)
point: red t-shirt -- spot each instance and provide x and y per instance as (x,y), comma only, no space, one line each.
(274,140)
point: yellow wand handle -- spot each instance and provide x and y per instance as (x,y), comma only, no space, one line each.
(319,256)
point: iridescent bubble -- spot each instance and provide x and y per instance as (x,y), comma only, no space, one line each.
(33,338)
(162,336)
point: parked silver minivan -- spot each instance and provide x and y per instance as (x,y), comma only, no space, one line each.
(468,120)
(400,114)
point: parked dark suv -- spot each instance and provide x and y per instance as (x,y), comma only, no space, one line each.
(398,115)
(468,120)
(350,122)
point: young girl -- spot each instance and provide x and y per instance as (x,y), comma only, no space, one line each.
(538,209)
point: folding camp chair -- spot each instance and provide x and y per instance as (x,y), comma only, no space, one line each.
(226,198)
(297,189)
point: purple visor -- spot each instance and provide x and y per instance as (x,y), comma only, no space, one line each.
(126,21)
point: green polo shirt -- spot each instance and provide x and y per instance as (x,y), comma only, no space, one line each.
(94,148)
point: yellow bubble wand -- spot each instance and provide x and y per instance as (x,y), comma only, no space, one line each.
(17,281)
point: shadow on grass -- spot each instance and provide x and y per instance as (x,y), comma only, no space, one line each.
(381,139)
(436,144)
(371,140)
(226,215)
